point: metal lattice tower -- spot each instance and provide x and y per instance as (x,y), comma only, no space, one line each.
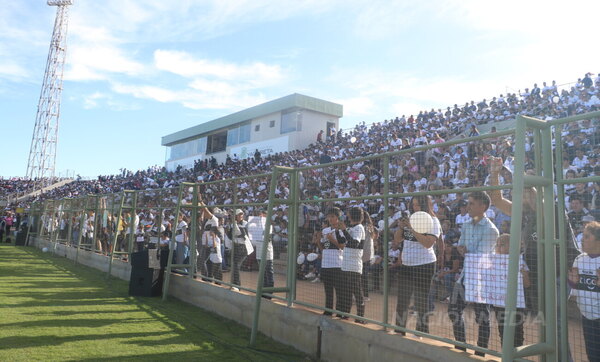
(42,154)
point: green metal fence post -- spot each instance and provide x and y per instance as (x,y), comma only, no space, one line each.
(549,242)
(508,350)
(96,222)
(70,224)
(292,232)
(82,220)
(193,234)
(562,238)
(171,249)
(132,230)
(293,236)
(539,210)
(116,232)
(386,215)
(263,264)
(232,251)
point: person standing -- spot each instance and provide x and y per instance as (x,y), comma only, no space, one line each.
(181,238)
(478,236)
(331,264)
(584,278)
(502,248)
(416,264)
(204,249)
(8,222)
(212,242)
(269,277)
(528,227)
(238,233)
(371,236)
(352,238)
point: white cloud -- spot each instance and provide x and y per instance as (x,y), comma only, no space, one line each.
(356,106)
(97,62)
(191,98)
(105,100)
(184,64)
(11,70)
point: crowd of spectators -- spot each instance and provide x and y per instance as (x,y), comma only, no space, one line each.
(15,185)
(453,167)
(450,168)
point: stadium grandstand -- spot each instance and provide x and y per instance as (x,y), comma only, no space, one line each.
(422,269)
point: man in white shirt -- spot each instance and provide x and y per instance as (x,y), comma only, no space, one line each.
(580,161)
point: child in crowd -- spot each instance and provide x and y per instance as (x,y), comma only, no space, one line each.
(583,278)
(502,247)
(211,240)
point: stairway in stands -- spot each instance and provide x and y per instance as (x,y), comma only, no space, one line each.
(17,198)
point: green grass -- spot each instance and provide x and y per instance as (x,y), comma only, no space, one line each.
(52,309)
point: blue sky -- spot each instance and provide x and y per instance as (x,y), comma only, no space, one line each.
(138,70)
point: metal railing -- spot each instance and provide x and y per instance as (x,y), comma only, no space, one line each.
(116,215)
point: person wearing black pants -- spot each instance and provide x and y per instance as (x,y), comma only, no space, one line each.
(414,280)
(352,239)
(238,232)
(482,317)
(331,263)
(478,236)
(368,250)
(416,264)
(239,255)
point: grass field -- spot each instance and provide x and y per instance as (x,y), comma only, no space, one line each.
(52,309)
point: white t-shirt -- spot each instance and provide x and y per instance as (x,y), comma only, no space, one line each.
(331,255)
(393,255)
(214,243)
(352,258)
(181,229)
(414,253)
(588,290)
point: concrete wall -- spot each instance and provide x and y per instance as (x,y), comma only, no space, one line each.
(312,123)
(120,269)
(340,341)
(297,327)
(266,132)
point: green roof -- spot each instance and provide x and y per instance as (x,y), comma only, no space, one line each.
(276,105)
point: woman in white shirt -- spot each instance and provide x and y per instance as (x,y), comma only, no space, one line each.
(352,239)
(181,237)
(416,264)
(211,240)
(331,261)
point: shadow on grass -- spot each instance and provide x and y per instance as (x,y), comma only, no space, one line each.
(41,341)
(213,336)
(76,312)
(190,356)
(81,322)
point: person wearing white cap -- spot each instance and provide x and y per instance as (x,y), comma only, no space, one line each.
(181,238)
(205,246)
(238,232)
(269,277)
(331,263)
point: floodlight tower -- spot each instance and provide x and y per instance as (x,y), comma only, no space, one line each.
(42,154)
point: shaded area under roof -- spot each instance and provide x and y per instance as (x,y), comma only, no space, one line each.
(277,105)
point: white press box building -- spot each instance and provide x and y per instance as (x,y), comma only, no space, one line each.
(284,124)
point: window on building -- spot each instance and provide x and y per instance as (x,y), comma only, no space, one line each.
(201,145)
(244,133)
(291,121)
(233,136)
(272,124)
(257,128)
(187,149)
(216,142)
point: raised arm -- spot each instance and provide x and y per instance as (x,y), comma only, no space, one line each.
(496,197)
